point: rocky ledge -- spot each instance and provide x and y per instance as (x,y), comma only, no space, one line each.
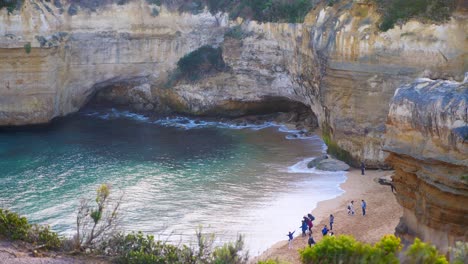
(325,163)
(427,139)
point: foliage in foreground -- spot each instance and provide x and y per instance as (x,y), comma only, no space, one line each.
(345,249)
(420,252)
(96,224)
(16,227)
(140,248)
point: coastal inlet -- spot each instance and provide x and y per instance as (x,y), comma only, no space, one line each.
(176,174)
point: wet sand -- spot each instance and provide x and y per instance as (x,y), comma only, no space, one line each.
(382,215)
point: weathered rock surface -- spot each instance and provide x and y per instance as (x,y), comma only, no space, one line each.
(332,165)
(427,138)
(313,163)
(327,163)
(337,63)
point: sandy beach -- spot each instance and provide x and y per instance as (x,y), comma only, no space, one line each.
(382,215)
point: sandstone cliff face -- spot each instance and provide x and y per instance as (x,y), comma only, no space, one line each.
(427,138)
(337,62)
(73,56)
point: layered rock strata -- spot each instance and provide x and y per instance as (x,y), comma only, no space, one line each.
(427,138)
(337,63)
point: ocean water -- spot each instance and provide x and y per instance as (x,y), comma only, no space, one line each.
(176,174)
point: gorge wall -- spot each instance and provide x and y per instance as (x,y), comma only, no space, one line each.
(427,138)
(337,62)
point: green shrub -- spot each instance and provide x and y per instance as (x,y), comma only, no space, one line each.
(335,150)
(420,252)
(15,227)
(400,11)
(290,11)
(345,249)
(199,63)
(42,235)
(11,5)
(138,248)
(236,32)
(229,253)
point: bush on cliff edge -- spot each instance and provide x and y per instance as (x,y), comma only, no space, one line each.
(16,227)
(345,249)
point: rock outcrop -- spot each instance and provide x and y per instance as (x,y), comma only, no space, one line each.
(337,62)
(427,138)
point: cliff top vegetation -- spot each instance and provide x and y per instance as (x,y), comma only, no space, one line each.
(393,12)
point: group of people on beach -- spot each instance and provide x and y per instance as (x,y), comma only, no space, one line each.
(351,208)
(307,224)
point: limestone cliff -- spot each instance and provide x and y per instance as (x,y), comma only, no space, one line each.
(337,62)
(427,138)
(72,56)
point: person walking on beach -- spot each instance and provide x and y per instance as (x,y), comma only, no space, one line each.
(363,206)
(363,168)
(291,237)
(325,230)
(332,220)
(351,208)
(311,240)
(304,227)
(309,223)
(311,217)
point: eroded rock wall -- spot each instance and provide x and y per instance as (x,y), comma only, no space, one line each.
(427,139)
(337,62)
(73,56)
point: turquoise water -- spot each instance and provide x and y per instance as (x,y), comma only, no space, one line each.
(175,175)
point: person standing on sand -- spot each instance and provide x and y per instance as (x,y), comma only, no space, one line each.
(363,206)
(309,223)
(351,208)
(291,237)
(363,168)
(311,240)
(332,220)
(304,227)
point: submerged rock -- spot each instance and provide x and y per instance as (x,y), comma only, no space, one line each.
(332,165)
(326,163)
(316,161)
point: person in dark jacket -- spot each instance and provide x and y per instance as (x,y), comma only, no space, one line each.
(363,206)
(332,220)
(304,228)
(325,230)
(363,168)
(309,223)
(291,237)
(311,240)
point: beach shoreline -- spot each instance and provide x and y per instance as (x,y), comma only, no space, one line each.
(382,215)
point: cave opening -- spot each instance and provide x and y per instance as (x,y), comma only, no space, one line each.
(138,95)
